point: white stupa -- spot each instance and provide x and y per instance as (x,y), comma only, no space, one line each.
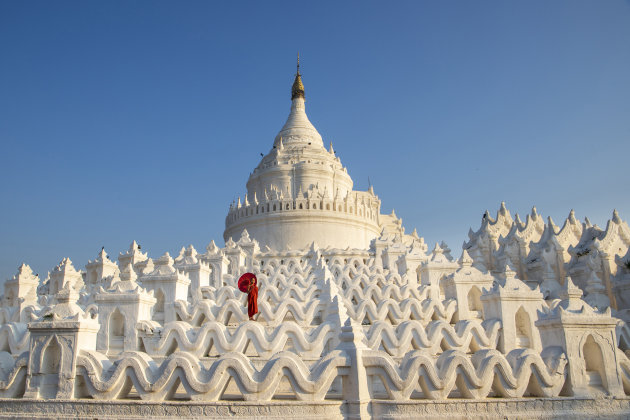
(356,320)
(300,193)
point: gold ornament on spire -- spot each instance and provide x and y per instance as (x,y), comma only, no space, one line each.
(297,90)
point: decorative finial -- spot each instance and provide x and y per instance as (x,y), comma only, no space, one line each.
(297,90)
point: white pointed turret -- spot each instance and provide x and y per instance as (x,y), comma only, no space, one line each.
(102,256)
(65,276)
(212,248)
(298,128)
(465,260)
(21,290)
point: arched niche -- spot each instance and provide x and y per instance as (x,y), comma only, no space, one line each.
(49,369)
(523,329)
(116,329)
(158,311)
(475,307)
(441,285)
(594,364)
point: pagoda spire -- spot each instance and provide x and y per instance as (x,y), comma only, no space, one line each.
(298,129)
(297,90)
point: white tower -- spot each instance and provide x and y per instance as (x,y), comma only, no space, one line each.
(300,193)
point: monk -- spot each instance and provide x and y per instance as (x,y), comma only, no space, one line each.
(252,298)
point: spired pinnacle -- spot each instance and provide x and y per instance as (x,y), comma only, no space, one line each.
(298,129)
(297,90)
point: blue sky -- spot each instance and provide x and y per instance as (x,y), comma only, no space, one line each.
(142,120)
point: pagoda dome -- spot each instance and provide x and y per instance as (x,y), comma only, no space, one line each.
(300,192)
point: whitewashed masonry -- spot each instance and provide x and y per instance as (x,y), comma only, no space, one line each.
(357,319)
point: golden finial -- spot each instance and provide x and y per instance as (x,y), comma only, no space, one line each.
(297,90)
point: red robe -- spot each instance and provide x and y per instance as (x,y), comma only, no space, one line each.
(252,300)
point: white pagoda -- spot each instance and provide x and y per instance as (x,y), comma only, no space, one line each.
(357,319)
(300,193)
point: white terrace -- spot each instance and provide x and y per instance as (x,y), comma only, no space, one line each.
(529,321)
